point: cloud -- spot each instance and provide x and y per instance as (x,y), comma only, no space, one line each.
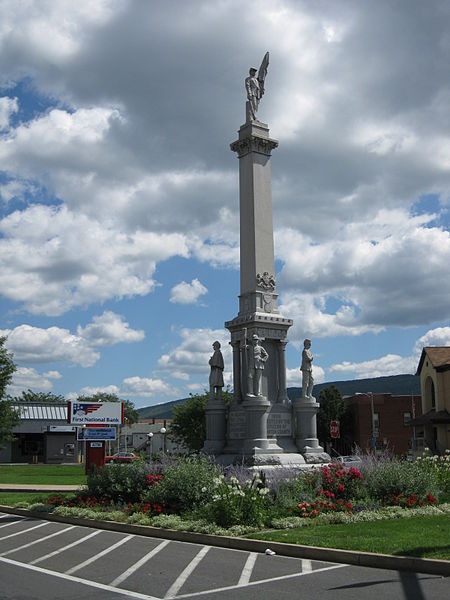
(28,378)
(37,345)
(394,364)
(192,356)
(109,329)
(187,293)
(92,390)
(294,376)
(52,260)
(8,106)
(145,387)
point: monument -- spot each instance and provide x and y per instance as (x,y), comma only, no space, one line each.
(263,426)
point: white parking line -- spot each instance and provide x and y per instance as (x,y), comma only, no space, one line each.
(99,555)
(306,566)
(178,583)
(93,584)
(47,537)
(248,569)
(261,581)
(51,554)
(5,537)
(118,580)
(13,522)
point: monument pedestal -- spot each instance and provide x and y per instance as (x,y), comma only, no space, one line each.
(306,437)
(215,426)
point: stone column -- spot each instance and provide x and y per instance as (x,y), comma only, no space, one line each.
(306,430)
(256,410)
(237,397)
(282,393)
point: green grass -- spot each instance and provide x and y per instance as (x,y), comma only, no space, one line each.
(43,474)
(425,537)
(12,498)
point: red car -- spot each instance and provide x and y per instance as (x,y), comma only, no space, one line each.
(120,457)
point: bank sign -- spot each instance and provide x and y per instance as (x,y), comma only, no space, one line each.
(95,413)
(96,433)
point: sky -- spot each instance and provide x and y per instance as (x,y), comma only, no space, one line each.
(119,201)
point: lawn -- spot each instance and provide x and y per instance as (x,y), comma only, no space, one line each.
(425,537)
(43,474)
(13,498)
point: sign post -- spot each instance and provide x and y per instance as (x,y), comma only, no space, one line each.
(93,417)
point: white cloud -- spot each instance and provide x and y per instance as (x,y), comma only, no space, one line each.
(109,329)
(53,260)
(193,354)
(294,376)
(37,345)
(27,378)
(145,387)
(53,375)
(187,293)
(391,364)
(8,106)
(91,390)
(394,364)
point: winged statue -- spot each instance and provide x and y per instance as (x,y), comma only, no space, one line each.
(255,87)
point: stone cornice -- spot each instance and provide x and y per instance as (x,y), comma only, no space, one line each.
(254,143)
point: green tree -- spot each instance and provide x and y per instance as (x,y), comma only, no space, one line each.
(9,417)
(333,407)
(189,421)
(130,413)
(30,396)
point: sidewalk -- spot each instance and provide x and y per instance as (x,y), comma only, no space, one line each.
(36,487)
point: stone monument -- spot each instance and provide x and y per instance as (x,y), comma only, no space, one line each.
(262,426)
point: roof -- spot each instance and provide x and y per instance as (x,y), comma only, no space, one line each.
(439,356)
(40,411)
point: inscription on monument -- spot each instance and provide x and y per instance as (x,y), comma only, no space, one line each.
(279,424)
(237,425)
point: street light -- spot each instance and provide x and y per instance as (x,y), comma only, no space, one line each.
(162,431)
(150,442)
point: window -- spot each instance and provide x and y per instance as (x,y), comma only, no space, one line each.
(406,418)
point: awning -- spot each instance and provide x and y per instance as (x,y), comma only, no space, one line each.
(431,418)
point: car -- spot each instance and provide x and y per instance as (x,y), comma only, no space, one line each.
(350,461)
(121,457)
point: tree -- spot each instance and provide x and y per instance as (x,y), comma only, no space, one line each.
(9,417)
(333,408)
(30,396)
(189,421)
(130,413)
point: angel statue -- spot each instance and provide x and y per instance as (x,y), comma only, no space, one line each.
(255,89)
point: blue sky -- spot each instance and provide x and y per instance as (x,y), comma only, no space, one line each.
(119,245)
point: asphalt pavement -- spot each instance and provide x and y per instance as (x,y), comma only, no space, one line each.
(42,559)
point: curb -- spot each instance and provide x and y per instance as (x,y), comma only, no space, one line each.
(349,557)
(35,487)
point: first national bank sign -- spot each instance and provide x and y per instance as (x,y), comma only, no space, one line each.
(95,413)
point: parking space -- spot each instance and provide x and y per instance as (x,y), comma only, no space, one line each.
(138,566)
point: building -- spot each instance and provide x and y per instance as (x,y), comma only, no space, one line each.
(384,421)
(43,435)
(434,373)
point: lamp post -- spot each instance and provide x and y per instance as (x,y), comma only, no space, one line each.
(150,443)
(162,431)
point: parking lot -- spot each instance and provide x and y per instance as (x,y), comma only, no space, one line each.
(41,559)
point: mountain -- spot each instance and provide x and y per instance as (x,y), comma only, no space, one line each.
(395,384)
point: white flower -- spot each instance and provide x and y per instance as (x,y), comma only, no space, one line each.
(203,489)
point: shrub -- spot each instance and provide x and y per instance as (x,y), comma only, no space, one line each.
(233,504)
(185,485)
(118,483)
(288,492)
(394,477)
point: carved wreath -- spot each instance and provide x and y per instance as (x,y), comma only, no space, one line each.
(266,281)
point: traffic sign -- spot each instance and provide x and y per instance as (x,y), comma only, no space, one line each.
(334,429)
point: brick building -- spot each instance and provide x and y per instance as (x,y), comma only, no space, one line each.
(383,421)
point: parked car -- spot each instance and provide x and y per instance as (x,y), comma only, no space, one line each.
(121,457)
(350,461)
